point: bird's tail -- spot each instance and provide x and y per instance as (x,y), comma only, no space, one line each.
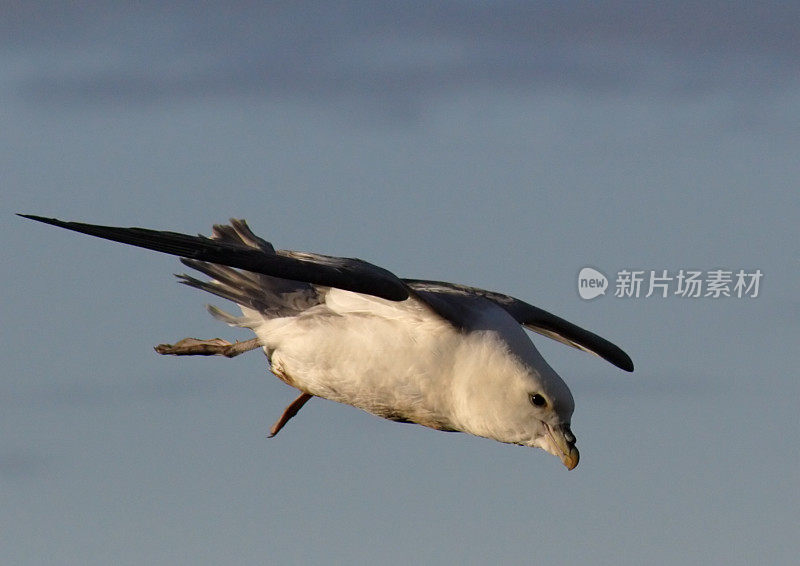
(256,293)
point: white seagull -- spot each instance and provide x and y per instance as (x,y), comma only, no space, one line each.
(442,355)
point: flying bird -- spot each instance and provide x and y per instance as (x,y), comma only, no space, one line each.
(442,355)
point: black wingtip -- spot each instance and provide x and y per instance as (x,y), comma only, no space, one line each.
(53,221)
(624,362)
(31,216)
(610,352)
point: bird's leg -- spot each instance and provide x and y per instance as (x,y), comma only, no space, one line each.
(213,347)
(289,412)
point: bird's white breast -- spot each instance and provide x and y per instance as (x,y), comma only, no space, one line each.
(391,359)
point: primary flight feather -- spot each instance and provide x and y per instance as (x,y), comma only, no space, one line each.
(438,354)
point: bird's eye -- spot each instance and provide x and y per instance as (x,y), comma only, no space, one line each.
(537,400)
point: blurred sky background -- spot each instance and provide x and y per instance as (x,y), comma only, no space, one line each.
(504,145)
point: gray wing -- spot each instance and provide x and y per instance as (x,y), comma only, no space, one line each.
(343,273)
(435,294)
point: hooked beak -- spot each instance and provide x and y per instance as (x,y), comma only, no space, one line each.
(563,443)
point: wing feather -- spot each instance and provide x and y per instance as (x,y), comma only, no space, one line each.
(344,273)
(533,318)
(243,250)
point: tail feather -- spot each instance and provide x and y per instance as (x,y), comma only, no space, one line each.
(227,292)
(225,275)
(270,296)
(228,318)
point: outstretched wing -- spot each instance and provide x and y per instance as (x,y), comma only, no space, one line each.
(350,275)
(531,317)
(343,273)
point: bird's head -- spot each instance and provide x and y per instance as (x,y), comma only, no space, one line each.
(506,391)
(551,428)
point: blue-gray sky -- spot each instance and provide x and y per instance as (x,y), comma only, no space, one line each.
(505,146)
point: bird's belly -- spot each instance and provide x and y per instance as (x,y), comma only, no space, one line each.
(396,371)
